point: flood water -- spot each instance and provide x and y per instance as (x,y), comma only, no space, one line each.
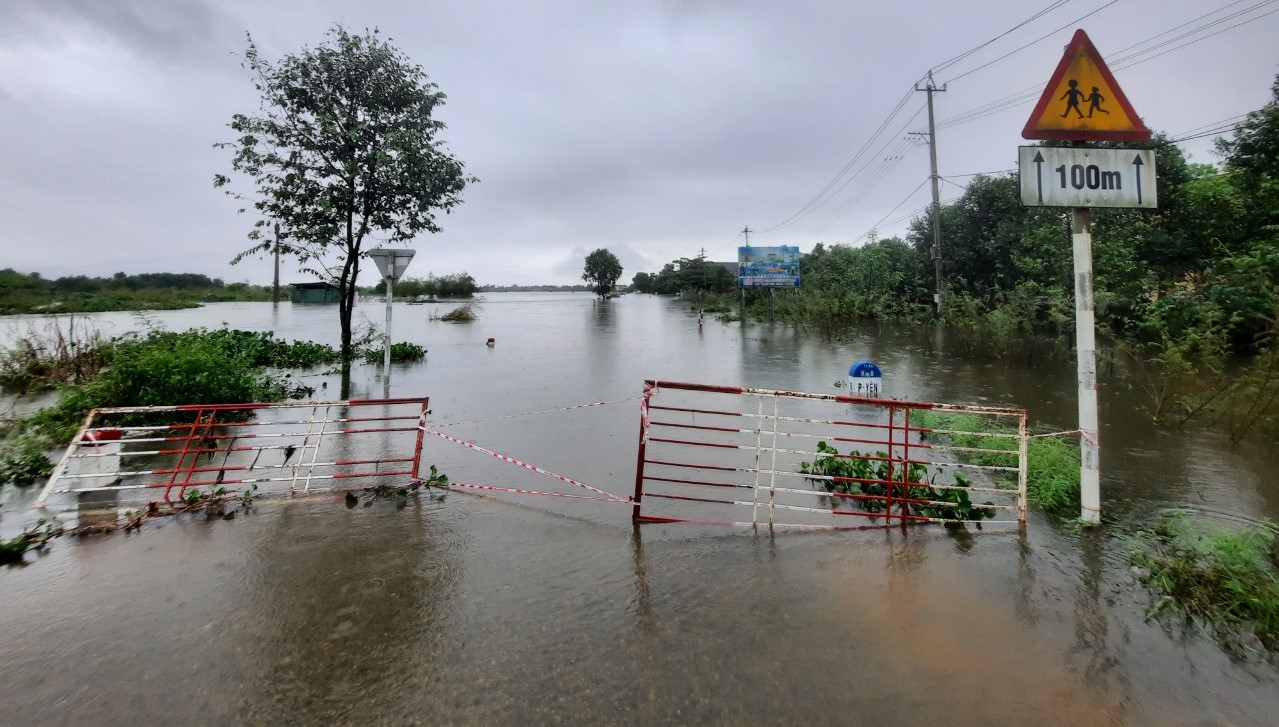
(507,610)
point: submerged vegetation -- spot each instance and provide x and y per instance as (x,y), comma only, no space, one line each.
(157,368)
(47,356)
(1052,463)
(464,313)
(401,352)
(1223,580)
(863,480)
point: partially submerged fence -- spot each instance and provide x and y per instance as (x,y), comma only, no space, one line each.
(747,456)
(169,450)
(707,454)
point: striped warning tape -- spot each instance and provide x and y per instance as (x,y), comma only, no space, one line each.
(519,491)
(541,411)
(525,465)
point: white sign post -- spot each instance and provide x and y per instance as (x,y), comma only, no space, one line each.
(1081,177)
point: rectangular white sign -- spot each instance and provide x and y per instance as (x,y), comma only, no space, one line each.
(1079,177)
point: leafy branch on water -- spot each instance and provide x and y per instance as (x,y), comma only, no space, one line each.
(859,480)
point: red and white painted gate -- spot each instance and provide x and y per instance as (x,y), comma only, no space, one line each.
(172,449)
(707,454)
(743,456)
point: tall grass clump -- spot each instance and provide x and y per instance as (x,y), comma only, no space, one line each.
(45,357)
(164,368)
(1222,579)
(1052,463)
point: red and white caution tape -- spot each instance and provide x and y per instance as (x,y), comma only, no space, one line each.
(518,491)
(532,468)
(541,411)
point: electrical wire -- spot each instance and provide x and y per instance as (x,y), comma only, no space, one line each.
(888,161)
(1041,38)
(952,61)
(825,193)
(893,210)
(1018,98)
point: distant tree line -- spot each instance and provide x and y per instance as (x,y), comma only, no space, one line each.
(456,285)
(28,292)
(686,275)
(10,278)
(535,288)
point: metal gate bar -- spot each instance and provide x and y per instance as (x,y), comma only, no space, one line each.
(698,418)
(203,450)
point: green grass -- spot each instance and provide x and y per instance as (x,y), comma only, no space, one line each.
(1221,578)
(1052,463)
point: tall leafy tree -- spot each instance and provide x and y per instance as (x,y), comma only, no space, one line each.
(602,271)
(1252,158)
(344,148)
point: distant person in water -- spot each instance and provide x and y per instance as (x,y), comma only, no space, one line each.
(1072,97)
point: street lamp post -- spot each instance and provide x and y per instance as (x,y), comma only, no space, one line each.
(391,263)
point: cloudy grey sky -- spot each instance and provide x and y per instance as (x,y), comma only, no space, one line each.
(655,128)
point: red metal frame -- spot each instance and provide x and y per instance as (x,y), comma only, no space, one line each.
(902,453)
(204,435)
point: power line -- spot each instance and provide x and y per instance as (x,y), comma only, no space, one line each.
(1033,42)
(948,63)
(1196,40)
(887,163)
(1018,98)
(1121,58)
(976,174)
(895,208)
(825,193)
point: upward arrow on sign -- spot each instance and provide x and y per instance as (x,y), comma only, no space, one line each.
(1136,162)
(1082,101)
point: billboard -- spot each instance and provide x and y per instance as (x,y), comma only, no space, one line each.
(768,267)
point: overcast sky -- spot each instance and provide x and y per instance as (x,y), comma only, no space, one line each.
(654,128)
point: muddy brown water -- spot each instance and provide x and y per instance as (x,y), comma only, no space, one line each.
(499,610)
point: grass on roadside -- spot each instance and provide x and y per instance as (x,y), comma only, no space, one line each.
(1221,578)
(1052,477)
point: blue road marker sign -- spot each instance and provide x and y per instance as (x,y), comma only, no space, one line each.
(865,379)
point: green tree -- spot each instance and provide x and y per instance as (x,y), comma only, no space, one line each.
(602,271)
(1252,159)
(644,283)
(344,146)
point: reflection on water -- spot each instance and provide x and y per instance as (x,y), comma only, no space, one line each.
(485,610)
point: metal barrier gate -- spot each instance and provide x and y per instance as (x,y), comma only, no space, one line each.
(707,453)
(144,449)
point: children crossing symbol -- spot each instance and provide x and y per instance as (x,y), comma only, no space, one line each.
(1082,101)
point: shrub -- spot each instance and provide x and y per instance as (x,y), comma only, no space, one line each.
(194,367)
(1224,579)
(402,352)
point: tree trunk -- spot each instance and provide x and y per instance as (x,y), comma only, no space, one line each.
(346,305)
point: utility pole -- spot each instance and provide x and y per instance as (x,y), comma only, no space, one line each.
(275,285)
(747,232)
(930,89)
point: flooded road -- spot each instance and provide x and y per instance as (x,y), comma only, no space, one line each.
(497,610)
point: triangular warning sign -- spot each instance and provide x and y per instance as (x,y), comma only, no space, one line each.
(1082,101)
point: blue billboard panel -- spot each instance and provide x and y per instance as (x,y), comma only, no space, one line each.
(768,267)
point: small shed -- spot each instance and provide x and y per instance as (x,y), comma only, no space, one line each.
(317,292)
